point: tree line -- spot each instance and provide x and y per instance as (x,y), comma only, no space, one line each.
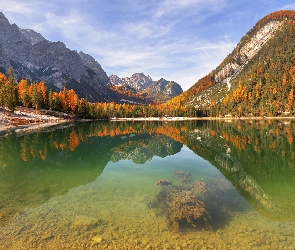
(36,95)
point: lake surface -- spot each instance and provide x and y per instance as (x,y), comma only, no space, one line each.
(143,185)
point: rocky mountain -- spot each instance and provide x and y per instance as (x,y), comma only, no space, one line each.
(35,58)
(31,35)
(140,87)
(257,78)
(137,81)
(163,89)
(145,147)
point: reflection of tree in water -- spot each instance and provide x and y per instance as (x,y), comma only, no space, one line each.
(192,204)
(35,167)
(257,157)
(68,138)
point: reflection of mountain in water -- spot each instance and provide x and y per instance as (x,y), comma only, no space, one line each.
(38,166)
(257,159)
(144,147)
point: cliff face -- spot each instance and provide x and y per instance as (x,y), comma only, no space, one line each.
(163,89)
(35,58)
(33,36)
(246,52)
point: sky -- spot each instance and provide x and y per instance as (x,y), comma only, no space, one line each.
(178,40)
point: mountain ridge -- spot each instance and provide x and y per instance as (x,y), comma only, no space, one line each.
(35,58)
(238,86)
(144,87)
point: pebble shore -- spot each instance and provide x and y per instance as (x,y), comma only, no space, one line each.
(25,119)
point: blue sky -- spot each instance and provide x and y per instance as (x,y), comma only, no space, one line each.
(180,40)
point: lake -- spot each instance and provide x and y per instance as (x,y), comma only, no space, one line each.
(149,185)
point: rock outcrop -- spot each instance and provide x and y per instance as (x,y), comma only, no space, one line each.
(247,52)
(33,36)
(163,88)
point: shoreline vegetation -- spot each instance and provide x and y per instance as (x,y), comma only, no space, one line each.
(30,106)
(24,120)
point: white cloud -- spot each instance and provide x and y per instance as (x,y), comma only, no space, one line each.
(182,62)
(171,6)
(19,7)
(146,30)
(289,7)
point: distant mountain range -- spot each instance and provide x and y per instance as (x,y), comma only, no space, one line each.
(34,58)
(144,88)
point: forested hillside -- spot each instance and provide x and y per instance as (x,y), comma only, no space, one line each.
(257,78)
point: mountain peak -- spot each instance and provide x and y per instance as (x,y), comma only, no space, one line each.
(138,81)
(3,19)
(152,91)
(92,64)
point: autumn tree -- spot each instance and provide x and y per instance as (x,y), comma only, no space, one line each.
(83,110)
(290,102)
(3,80)
(23,92)
(72,100)
(43,91)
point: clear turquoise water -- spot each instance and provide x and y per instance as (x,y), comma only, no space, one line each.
(101,194)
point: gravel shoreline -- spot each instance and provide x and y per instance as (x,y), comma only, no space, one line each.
(25,119)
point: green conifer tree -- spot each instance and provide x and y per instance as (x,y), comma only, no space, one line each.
(10,96)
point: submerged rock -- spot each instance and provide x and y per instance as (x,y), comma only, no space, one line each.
(164,182)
